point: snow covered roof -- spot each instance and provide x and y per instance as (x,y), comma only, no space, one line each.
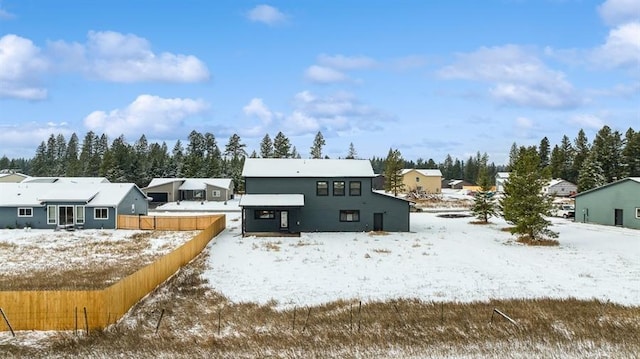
(193,183)
(634,179)
(66,180)
(557,181)
(424,172)
(503,174)
(291,167)
(36,194)
(272,200)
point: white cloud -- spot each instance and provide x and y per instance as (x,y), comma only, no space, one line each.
(5,15)
(266,14)
(517,77)
(324,75)
(621,49)
(128,58)
(257,108)
(151,115)
(117,57)
(341,62)
(616,12)
(27,136)
(21,65)
(408,62)
(587,121)
(524,123)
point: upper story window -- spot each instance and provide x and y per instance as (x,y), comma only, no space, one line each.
(638,213)
(417,179)
(338,188)
(355,188)
(322,188)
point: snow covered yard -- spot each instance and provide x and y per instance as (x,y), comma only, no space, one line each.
(442,259)
(41,259)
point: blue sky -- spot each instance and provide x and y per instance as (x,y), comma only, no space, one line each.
(429,78)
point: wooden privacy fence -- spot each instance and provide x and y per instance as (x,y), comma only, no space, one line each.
(165,223)
(96,309)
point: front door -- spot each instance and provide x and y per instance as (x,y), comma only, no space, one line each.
(65,215)
(377,222)
(284,220)
(617,216)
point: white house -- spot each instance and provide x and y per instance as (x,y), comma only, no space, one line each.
(560,188)
(501,178)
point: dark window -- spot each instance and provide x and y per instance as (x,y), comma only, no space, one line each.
(265,214)
(355,188)
(25,212)
(338,188)
(417,179)
(101,213)
(322,188)
(349,216)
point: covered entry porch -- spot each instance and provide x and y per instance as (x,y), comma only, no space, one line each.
(271,214)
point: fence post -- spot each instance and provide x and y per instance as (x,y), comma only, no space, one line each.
(159,320)
(495,310)
(6,320)
(86,320)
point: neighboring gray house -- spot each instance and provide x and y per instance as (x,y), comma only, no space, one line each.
(614,204)
(560,188)
(501,178)
(309,195)
(53,205)
(164,190)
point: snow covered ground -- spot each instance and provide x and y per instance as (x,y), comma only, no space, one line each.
(441,259)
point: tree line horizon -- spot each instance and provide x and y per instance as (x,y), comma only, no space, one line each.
(608,157)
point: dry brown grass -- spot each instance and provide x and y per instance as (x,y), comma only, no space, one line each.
(198,322)
(480,222)
(382,250)
(507,229)
(378,233)
(538,241)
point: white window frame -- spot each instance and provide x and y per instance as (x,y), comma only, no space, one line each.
(638,212)
(95,213)
(26,210)
(52,210)
(216,193)
(79,217)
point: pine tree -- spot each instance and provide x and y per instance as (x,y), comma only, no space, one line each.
(316,148)
(523,203)
(591,175)
(393,172)
(73,165)
(213,157)
(582,150)
(557,160)
(484,205)
(194,158)
(447,168)
(281,146)
(351,154)
(266,147)
(39,162)
(513,155)
(543,152)
(607,148)
(235,150)
(631,153)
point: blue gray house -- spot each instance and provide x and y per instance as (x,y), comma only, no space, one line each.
(324,195)
(54,205)
(614,204)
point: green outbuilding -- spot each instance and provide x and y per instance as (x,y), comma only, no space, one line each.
(614,204)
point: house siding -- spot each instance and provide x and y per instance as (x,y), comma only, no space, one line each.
(9,217)
(171,189)
(598,206)
(429,184)
(322,213)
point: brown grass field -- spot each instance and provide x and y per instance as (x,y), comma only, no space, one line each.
(185,319)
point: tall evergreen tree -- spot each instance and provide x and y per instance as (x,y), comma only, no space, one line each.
(316,147)
(447,168)
(73,165)
(393,166)
(266,147)
(607,148)
(194,158)
(556,162)
(513,155)
(39,162)
(281,146)
(591,175)
(631,153)
(484,204)
(523,203)
(213,158)
(352,154)
(543,152)
(582,149)
(235,151)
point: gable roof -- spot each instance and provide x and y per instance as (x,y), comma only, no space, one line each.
(503,174)
(36,194)
(294,167)
(634,179)
(557,181)
(424,172)
(192,183)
